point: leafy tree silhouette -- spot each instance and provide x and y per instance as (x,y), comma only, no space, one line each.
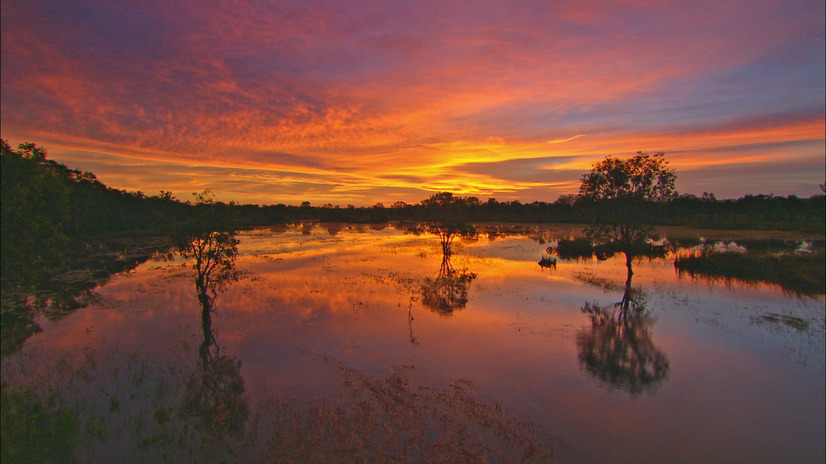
(215,393)
(624,195)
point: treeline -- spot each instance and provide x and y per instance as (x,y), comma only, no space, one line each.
(49,209)
(762,212)
(51,213)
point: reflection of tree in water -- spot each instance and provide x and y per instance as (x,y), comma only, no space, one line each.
(215,392)
(307,228)
(617,348)
(448,290)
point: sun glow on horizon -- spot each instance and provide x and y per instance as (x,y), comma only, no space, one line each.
(512,103)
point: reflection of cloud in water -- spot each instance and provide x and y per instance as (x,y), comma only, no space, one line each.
(307,300)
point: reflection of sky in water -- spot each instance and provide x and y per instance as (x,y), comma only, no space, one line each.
(738,390)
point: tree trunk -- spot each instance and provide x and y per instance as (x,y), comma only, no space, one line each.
(628,258)
(626,298)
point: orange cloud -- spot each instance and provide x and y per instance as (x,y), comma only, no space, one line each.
(377,106)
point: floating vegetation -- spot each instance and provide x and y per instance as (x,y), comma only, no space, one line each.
(576,249)
(790,321)
(596,281)
(580,249)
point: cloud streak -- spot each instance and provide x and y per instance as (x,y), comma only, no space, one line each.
(370,100)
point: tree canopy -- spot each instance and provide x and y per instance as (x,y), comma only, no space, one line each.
(625,195)
(643,177)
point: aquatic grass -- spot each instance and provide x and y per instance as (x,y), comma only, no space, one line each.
(803,274)
(35,430)
(789,321)
(108,407)
(392,419)
(576,249)
(600,282)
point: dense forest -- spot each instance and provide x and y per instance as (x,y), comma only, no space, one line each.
(52,214)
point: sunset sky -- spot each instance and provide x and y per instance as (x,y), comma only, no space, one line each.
(358,102)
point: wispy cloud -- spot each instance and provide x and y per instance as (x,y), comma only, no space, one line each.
(367,99)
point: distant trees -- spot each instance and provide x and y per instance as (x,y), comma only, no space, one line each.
(51,214)
(33,201)
(624,196)
(449,217)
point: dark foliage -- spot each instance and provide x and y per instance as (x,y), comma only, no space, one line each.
(53,216)
(36,431)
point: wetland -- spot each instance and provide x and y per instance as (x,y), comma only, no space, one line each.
(341,342)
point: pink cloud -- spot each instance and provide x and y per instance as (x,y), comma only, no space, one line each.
(368,89)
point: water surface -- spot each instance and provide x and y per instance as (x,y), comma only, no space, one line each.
(724,372)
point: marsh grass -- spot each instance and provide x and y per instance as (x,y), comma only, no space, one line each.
(803,274)
(36,430)
(789,321)
(599,282)
(392,419)
(128,408)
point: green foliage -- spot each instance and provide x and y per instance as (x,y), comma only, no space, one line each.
(642,177)
(50,211)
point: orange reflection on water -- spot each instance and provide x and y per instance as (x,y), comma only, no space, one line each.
(313,297)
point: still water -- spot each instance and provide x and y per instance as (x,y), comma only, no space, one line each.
(713,372)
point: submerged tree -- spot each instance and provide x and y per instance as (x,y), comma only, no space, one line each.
(450,218)
(624,195)
(215,393)
(211,249)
